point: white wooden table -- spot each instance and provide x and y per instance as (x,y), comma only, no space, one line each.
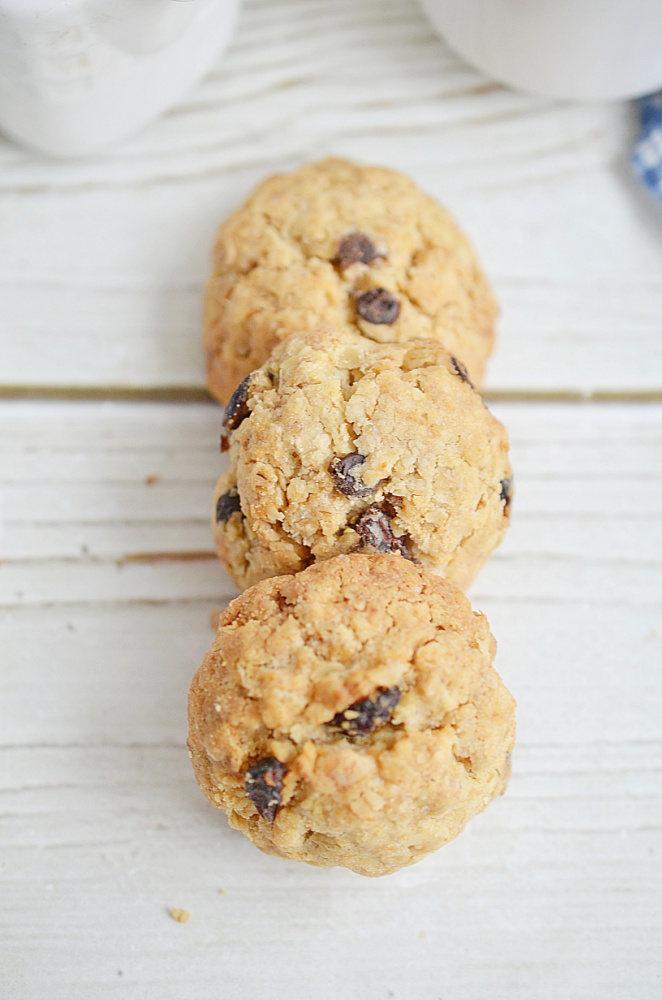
(108,456)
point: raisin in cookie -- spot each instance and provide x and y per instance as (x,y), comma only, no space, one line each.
(338,444)
(350,715)
(357,248)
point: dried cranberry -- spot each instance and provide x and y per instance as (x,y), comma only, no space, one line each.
(367,714)
(347,481)
(462,372)
(374,529)
(355,248)
(378,306)
(236,411)
(264,783)
(226,505)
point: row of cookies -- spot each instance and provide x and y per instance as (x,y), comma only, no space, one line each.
(348,712)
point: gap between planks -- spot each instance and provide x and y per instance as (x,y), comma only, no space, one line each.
(199,394)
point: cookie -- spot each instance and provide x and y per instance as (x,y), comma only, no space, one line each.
(350,715)
(338,444)
(356,248)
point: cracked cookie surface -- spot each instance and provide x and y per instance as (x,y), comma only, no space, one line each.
(346,445)
(357,248)
(350,715)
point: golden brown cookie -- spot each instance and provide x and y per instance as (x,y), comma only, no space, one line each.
(358,248)
(350,715)
(339,444)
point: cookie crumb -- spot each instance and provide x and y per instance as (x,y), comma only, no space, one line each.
(181,916)
(154,477)
(222,892)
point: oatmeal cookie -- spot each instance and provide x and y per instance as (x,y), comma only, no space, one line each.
(350,714)
(339,444)
(357,248)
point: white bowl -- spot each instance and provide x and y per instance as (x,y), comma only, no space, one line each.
(76,75)
(589,50)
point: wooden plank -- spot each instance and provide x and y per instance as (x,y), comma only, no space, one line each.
(536,897)
(553,891)
(103,260)
(86,520)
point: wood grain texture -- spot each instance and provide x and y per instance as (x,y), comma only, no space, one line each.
(103,260)
(553,891)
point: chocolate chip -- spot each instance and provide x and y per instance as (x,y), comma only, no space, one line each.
(345,480)
(355,248)
(365,715)
(236,411)
(226,505)
(462,372)
(374,529)
(264,783)
(377,306)
(506,495)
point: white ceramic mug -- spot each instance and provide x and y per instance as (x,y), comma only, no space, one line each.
(589,50)
(75,75)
